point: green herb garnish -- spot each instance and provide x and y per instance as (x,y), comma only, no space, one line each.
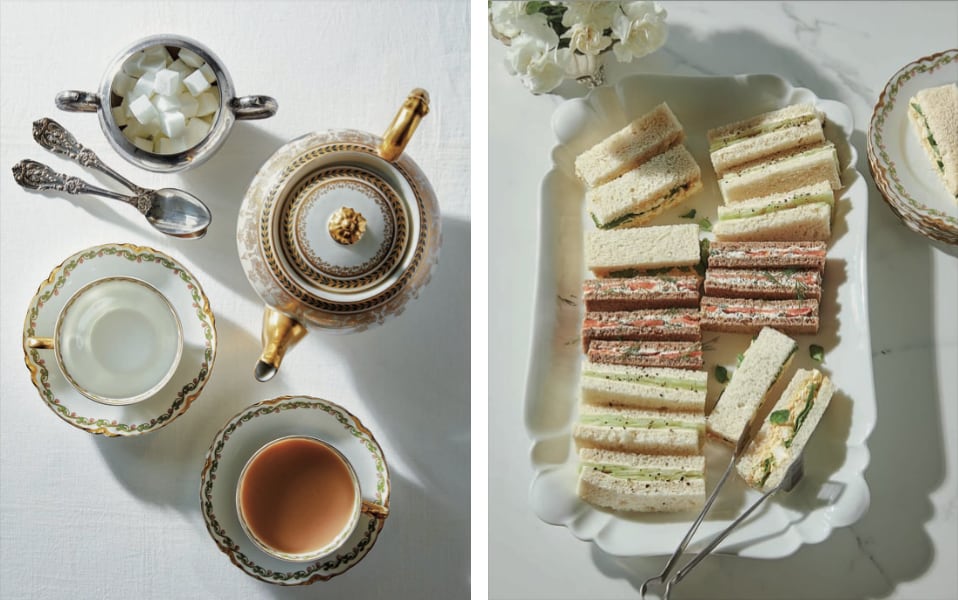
(705,224)
(816,352)
(721,374)
(689,215)
(779,417)
(739,358)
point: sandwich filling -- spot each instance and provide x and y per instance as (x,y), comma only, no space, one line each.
(629,422)
(822,150)
(766,309)
(642,473)
(653,380)
(773,441)
(639,286)
(800,283)
(728,214)
(652,206)
(760,129)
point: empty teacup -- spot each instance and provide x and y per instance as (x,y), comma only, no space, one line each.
(117,340)
(298,499)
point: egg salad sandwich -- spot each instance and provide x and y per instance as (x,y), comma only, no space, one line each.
(934,115)
(639,195)
(641,482)
(639,430)
(764,362)
(764,135)
(794,168)
(802,214)
(643,387)
(650,134)
(786,430)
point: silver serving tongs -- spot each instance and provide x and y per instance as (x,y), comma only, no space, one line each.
(743,442)
(792,476)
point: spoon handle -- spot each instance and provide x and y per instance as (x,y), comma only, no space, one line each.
(33,175)
(55,138)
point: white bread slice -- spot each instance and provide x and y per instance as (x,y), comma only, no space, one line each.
(636,197)
(938,118)
(765,360)
(650,134)
(770,441)
(642,248)
(637,430)
(810,222)
(644,387)
(762,123)
(783,172)
(763,145)
(683,493)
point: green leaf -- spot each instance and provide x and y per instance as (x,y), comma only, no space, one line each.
(816,352)
(779,417)
(689,215)
(705,224)
(739,358)
(721,374)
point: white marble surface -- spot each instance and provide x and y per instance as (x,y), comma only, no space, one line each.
(906,545)
(82,516)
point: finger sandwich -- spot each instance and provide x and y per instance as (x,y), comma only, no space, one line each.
(642,248)
(652,133)
(796,215)
(644,387)
(639,430)
(641,482)
(793,168)
(933,113)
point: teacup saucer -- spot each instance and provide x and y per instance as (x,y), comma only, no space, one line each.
(251,429)
(186,296)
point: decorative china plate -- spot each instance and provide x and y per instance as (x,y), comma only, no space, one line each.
(834,492)
(250,430)
(904,175)
(186,296)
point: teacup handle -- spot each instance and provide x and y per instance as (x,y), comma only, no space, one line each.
(404,124)
(253,107)
(376,510)
(40,343)
(77,101)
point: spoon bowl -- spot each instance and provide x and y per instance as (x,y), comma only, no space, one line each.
(178,214)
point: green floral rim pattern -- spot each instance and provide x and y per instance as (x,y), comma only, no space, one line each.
(320,570)
(885,171)
(38,365)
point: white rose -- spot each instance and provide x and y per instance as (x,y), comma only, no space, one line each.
(539,66)
(640,29)
(597,14)
(506,16)
(587,39)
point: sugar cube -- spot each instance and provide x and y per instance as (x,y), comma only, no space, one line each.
(208,104)
(196,83)
(143,110)
(122,84)
(191,58)
(167,146)
(180,67)
(143,144)
(165,104)
(158,52)
(119,115)
(143,86)
(151,63)
(188,104)
(196,130)
(207,72)
(132,66)
(166,82)
(173,124)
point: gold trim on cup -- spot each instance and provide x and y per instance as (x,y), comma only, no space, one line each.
(360,506)
(47,343)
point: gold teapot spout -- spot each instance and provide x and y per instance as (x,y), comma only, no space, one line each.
(280,333)
(404,124)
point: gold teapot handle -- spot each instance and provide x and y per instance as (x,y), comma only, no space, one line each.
(280,333)
(404,124)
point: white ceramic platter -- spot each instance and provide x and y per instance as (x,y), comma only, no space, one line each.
(250,430)
(833,492)
(902,171)
(186,296)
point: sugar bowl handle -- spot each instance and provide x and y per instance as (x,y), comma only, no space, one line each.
(404,124)
(77,101)
(253,107)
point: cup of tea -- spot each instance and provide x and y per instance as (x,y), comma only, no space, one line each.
(298,499)
(117,340)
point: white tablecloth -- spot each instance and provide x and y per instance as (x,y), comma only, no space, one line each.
(905,546)
(88,517)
